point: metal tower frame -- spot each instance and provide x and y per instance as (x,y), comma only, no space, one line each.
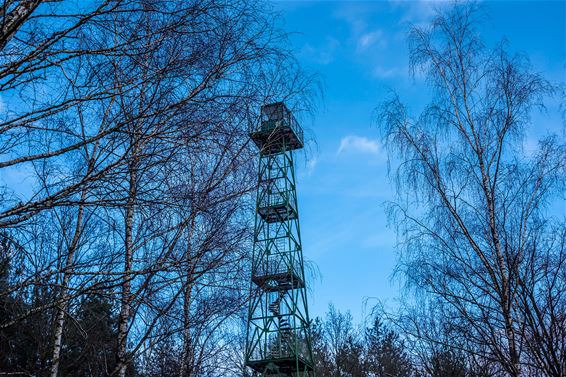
(278,341)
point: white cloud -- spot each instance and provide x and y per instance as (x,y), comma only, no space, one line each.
(355,14)
(386,73)
(369,39)
(323,54)
(420,11)
(311,165)
(358,144)
(399,72)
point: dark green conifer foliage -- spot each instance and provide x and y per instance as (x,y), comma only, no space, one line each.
(89,342)
(24,347)
(386,353)
(446,363)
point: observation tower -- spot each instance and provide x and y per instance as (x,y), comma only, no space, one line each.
(278,339)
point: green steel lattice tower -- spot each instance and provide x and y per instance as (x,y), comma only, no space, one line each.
(278,335)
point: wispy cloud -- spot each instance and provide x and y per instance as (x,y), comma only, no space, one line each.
(381,72)
(372,38)
(355,14)
(420,11)
(311,165)
(323,54)
(358,144)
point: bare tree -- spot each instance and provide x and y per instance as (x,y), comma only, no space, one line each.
(474,215)
(130,120)
(55,103)
(14,14)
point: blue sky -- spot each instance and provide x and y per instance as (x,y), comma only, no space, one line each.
(359,50)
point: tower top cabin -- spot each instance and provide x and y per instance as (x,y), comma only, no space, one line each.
(278,130)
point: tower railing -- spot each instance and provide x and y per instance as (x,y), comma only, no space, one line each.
(278,130)
(286,120)
(277,199)
(279,348)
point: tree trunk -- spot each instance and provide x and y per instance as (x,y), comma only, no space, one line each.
(13,20)
(186,357)
(61,309)
(124,317)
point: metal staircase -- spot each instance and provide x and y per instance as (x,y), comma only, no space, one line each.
(278,335)
(285,333)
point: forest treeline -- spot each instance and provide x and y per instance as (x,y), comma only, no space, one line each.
(340,348)
(127,182)
(376,349)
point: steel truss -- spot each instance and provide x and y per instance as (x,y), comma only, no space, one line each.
(278,335)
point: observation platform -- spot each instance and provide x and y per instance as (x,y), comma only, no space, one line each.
(278,131)
(277,212)
(274,280)
(285,364)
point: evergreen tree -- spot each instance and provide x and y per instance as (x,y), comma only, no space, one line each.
(24,348)
(321,352)
(386,353)
(446,364)
(164,361)
(350,358)
(89,341)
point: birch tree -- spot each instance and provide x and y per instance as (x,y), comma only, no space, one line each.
(129,120)
(478,236)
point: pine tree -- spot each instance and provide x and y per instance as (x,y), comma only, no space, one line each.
(386,354)
(89,341)
(23,347)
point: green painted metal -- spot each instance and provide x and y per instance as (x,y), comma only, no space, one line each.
(278,341)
